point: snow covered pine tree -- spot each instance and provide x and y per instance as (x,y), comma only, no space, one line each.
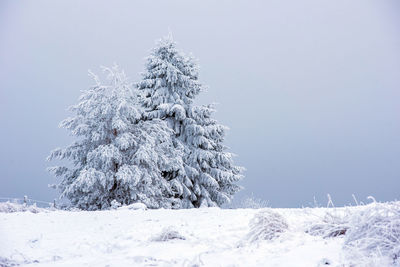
(169,86)
(118,156)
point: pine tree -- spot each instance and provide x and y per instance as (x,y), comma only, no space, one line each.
(169,86)
(118,156)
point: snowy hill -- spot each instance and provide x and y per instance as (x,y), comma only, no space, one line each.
(193,237)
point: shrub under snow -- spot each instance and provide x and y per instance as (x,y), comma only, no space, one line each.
(134,206)
(334,223)
(266,225)
(250,202)
(8,207)
(168,233)
(375,232)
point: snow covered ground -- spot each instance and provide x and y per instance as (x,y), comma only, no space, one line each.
(194,237)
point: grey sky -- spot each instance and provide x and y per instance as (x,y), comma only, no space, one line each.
(309,89)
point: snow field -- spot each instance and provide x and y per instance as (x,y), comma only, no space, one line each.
(123,237)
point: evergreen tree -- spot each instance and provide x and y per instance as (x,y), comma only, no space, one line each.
(118,156)
(169,86)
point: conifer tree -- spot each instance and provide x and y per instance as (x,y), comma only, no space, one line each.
(169,85)
(118,156)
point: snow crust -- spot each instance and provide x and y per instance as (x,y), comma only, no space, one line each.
(135,236)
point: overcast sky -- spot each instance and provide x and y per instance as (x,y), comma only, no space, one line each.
(309,89)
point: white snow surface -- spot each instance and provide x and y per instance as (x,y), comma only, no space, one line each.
(191,237)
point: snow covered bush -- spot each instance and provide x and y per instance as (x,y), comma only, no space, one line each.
(334,223)
(266,225)
(134,206)
(4,262)
(250,202)
(118,156)
(8,207)
(253,203)
(169,85)
(115,204)
(375,232)
(168,233)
